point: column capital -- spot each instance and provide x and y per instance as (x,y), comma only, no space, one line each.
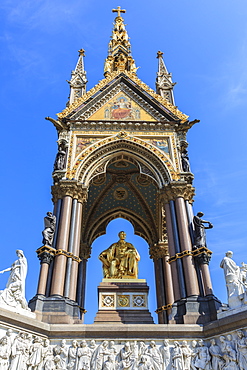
(69,188)
(46,254)
(176,190)
(159,250)
(202,255)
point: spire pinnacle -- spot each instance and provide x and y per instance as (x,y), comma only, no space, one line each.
(164,84)
(78,79)
(119,53)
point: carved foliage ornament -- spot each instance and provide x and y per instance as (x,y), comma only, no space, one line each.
(177,190)
(69,188)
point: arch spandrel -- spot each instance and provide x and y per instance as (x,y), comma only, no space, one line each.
(156,160)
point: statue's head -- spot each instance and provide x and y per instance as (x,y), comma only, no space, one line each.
(200,214)
(229,254)
(19,253)
(122,235)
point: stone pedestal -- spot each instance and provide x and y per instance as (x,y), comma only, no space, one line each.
(55,310)
(123,301)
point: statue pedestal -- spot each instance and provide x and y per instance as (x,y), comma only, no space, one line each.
(123,301)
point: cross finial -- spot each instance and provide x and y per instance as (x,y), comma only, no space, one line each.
(159,54)
(81,52)
(118,11)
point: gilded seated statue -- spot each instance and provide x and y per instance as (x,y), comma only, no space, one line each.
(120,260)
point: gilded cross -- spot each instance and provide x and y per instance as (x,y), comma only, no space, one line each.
(118,11)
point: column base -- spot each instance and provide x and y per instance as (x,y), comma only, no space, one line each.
(56,310)
(123,301)
(194,310)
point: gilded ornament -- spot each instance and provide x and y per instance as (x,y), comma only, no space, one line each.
(120,260)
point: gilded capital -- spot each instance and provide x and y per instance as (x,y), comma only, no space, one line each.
(176,190)
(69,188)
(159,250)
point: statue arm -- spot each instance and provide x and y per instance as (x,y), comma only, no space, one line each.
(8,269)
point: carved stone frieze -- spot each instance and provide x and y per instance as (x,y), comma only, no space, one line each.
(176,190)
(37,351)
(159,250)
(69,188)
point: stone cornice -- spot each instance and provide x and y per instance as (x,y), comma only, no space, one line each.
(176,190)
(69,188)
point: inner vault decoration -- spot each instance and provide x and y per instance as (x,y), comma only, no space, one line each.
(122,152)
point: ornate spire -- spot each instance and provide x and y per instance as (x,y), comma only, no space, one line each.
(78,79)
(164,84)
(119,53)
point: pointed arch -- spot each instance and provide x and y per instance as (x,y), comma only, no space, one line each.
(151,160)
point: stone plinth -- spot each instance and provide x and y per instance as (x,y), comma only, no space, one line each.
(123,301)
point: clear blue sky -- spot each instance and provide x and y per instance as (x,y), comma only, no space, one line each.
(205,48)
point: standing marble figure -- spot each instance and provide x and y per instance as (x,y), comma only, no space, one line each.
(14,293)
(235,281)
(200,234)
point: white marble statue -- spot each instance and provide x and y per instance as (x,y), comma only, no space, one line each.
(241,348)
(187,353)
(177,357)
(72,356)
(14,293)
(126,361)
(61,355)
(109,364)
(5,350)
(230,358)
(155,356)
(47,356)
(19,352)
(166,355)
(35,354)
(216,357)
(235,281)
(84,356)
(100,355)
(203,357)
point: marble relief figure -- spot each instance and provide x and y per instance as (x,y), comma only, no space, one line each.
(31,352)
(120,259)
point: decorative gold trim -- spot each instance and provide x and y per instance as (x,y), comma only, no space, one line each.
(46,248)
(67,254)
(180,255)
(109,77)
(164,308)
(194,253)
(82,310)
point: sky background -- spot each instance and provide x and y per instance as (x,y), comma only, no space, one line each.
(205,48)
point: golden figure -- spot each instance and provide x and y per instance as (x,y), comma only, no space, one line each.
(120,260)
